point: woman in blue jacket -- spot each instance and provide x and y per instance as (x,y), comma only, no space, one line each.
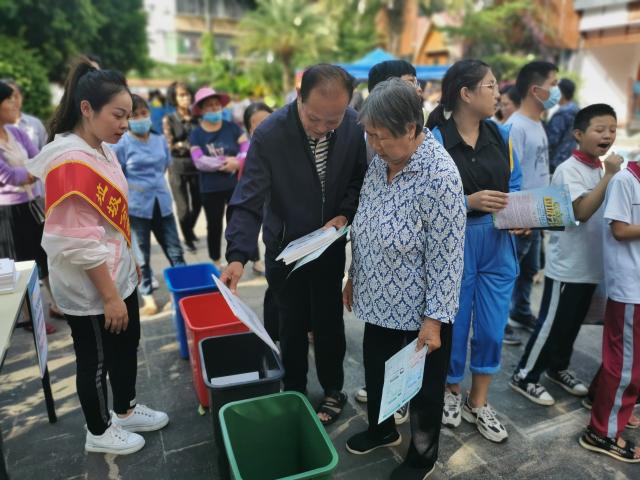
(482,152)
(144,157)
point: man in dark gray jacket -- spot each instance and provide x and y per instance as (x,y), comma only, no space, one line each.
(304,170)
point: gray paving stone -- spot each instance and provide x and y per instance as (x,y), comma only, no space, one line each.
(542,442)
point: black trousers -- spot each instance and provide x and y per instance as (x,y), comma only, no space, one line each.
(186,193)
(21,235)
(563,309)
(99,352)
(311,296)
(379,344)
(214,204)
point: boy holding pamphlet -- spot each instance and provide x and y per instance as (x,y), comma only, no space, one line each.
(574,259)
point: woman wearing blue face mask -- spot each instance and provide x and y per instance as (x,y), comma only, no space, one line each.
(144,157)
(215,143)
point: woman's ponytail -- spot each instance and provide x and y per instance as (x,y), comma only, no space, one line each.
(84,82)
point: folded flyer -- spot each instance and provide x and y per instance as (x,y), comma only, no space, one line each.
(245,314)
(403,375)
(541,208)
(317,240)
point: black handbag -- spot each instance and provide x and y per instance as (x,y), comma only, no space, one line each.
(36,208)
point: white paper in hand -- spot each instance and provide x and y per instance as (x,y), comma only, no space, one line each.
(402,379)
(245,314)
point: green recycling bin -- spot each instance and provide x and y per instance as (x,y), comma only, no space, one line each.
(274,437)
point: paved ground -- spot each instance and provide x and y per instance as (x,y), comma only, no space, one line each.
(542,442)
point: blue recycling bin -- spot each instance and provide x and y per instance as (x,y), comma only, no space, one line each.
(184,281)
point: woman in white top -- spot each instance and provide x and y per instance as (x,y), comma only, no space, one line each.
(87,239)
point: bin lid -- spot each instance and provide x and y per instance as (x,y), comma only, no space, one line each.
(245,314)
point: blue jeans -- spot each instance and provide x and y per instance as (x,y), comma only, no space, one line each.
(528,250)
(166,233)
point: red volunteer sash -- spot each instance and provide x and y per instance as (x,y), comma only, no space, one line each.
(634,168)
(77,178)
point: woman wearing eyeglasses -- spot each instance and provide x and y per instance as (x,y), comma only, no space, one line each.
(481,151)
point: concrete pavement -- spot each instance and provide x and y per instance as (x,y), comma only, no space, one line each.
(542,442)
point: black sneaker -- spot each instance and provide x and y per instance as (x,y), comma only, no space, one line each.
(587,403)
(532,391)
(363,442)
(569,382)
(526,322)
(511,337)
(190,246)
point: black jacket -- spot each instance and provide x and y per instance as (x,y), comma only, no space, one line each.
(280,181)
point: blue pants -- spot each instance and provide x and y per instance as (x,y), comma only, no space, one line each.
(166,233)
(490,270)
(528,248)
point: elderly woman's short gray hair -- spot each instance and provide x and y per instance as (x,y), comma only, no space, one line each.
(393,104)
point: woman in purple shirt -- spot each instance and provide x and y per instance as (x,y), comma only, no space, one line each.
(21,213)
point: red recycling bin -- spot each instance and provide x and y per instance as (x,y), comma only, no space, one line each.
(206,315)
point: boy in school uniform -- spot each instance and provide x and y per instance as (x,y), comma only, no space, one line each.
(617,384)
(574,260)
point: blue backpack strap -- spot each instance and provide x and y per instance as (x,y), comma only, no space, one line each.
(514,164)
(438,135)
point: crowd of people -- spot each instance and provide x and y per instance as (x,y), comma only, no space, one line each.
(418,189)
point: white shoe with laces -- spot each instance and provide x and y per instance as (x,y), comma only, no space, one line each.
(114,440)
(452,407)
(486,421)
(142,419)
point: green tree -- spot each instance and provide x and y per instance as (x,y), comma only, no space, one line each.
(57,29)
(60,29)
(25,67)
(290,32)
(121,40)
(511,27)
(356,28)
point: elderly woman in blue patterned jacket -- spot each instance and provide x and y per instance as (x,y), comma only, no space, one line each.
(404,280)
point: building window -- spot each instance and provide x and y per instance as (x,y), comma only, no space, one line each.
(190,7)
(189,44)
(224,46)
(217,8)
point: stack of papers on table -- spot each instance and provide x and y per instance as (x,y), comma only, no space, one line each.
(317,241)
(8,275)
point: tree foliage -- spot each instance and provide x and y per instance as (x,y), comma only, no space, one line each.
(292,33)
(25,67)
(511,27)
(60,29)
(355,27)
(121,40)
(57,29)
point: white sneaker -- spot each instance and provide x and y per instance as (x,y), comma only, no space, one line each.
(361,395)
(142,419)
(114,440)
(451,411)
(155,284)
(402,414)
(485,419)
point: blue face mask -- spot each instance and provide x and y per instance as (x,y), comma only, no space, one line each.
(140,126)
(554,97)
(212,117)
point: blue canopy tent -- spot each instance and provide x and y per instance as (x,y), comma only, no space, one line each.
(360,68)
